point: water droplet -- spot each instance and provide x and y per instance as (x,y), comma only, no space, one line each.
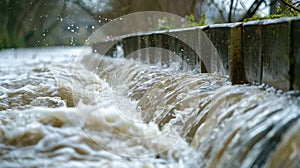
(121,18)
(72,40)
(93,27)
(44,34)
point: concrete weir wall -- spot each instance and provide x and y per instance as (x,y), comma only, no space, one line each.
(264,51)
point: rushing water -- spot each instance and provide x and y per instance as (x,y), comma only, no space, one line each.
(60,108)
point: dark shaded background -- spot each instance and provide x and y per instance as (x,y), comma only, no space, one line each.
(70,22)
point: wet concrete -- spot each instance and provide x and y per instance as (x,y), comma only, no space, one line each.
(265,51)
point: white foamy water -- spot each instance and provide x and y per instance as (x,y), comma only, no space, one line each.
(66,107)
(41,125)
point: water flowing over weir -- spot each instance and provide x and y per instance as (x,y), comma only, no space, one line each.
(114,112)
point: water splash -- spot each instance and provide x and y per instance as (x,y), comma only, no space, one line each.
(123,113)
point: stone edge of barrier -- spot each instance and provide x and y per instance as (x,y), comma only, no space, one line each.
(248,46)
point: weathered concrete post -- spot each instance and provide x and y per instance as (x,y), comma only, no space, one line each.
(295,58)
(252,51)
(237,69)
(219,36)
(227,38)
(276,53)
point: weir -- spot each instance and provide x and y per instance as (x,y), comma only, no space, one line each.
(264,51)
(70,107)
(231,125)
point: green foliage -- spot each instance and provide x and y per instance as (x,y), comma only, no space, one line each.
(27,23)
(163,23)
(191,18)
(287,12)
(201,22)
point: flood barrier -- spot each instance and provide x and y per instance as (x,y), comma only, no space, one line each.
(263,51)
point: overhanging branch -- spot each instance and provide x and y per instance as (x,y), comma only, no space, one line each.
(290,5)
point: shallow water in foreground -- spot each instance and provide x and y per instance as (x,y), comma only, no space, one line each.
(61,108)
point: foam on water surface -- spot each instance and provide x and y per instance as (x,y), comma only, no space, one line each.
(62,107)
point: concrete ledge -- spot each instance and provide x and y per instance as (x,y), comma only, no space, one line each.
(264,51)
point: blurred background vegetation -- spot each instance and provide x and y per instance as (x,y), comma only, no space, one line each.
(32,23)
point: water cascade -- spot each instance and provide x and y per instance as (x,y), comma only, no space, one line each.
(230,126)
(115,112)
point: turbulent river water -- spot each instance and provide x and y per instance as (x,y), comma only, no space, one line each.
(66,107)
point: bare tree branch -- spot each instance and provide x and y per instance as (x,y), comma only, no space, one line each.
(230,11)
(235,7)
(253,8)
(219,9)
(290,5)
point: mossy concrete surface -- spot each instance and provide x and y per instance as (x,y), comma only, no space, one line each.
(264,51)
(220,38)
(275,55)
(295,57)
(252,52)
